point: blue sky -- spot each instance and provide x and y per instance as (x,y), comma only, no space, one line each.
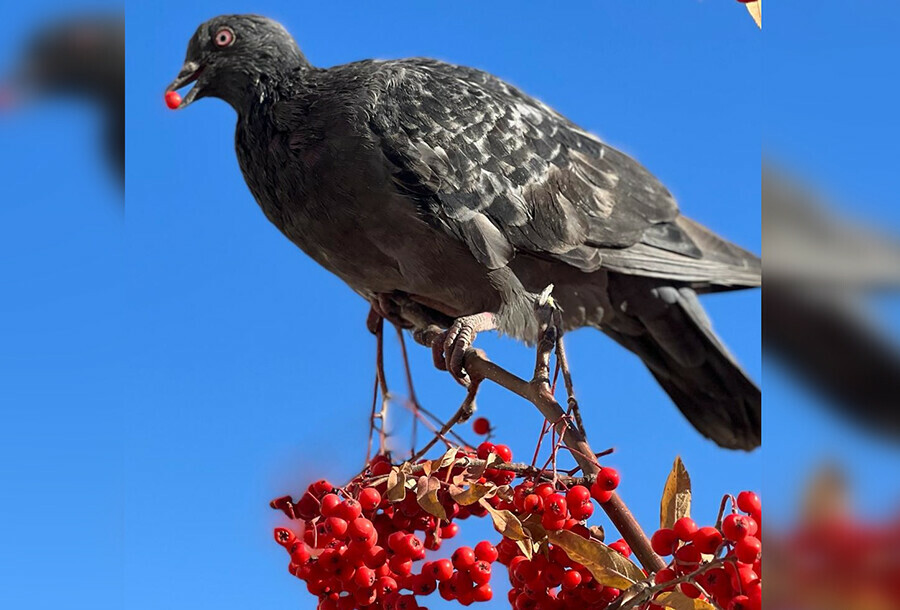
(172,371)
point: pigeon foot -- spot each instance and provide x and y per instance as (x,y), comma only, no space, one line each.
(450,349)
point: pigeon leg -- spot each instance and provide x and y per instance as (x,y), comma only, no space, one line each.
(450,350)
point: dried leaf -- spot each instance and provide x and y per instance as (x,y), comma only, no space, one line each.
(527,548)
(505,522)
(607,566)
(445,460)
(533,524)
(476,472)
(679,601)
(676,498)
(427,496)
(396,485)
(755,10)
(597,532)
(473,494)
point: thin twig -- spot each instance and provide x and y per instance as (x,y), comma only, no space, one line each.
(464,412)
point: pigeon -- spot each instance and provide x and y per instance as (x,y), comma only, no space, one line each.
(80,56)
(445,196)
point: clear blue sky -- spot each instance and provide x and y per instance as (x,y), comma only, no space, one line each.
(166,375)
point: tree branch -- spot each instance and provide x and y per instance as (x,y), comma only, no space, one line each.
(538,393)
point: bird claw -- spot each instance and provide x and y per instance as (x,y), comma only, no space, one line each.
(450,349)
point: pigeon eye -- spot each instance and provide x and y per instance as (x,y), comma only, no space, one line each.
(224,37)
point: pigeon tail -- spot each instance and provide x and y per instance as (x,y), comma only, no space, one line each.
(675,339)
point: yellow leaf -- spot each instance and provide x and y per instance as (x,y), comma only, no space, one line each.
(426,495)
(607,566)
(755,10)
(676,498)
(679,601)
(505,522)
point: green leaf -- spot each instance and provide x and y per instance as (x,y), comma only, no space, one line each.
(676,498)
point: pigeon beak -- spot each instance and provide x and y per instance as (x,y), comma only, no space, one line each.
(190,72)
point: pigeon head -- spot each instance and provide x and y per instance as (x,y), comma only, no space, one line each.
(232,57)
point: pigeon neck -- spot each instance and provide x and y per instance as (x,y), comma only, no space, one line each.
(263,87)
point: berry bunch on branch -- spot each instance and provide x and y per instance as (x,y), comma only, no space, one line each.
(365,544)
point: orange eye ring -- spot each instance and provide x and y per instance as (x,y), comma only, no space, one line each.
(224,37)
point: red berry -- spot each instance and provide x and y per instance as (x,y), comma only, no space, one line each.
(320,488)
(571,580)
(685,528)
(369,499)
(423,584)
(480,572)
(739,602)
(173,99)
(486,551)
(608,478)
(300,555)
(600,494)
(688,557)
(749,502)
(441,570)
(401,566)
(360,529)
(384,586)
(664,541)
(348,510)
(329,505)
(503,452)
(664,575)
(335,526)
(735,527)
(556,505)
(748,549)
(581,511)
(482,593)
(364,577)
(484,450)
(449,531)
(481,425)
(549,521)
(621,547)
(690,590)
(285,537)
(463,558)
(707,540)
(577,495)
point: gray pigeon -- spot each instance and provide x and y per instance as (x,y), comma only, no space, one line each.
(445,196)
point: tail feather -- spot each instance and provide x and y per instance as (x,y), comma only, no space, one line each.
(676,341)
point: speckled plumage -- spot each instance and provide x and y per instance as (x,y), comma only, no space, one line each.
(456,193)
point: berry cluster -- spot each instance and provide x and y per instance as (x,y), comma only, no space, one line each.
(359,549)
(553,580)
(364,545)
(725,560)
